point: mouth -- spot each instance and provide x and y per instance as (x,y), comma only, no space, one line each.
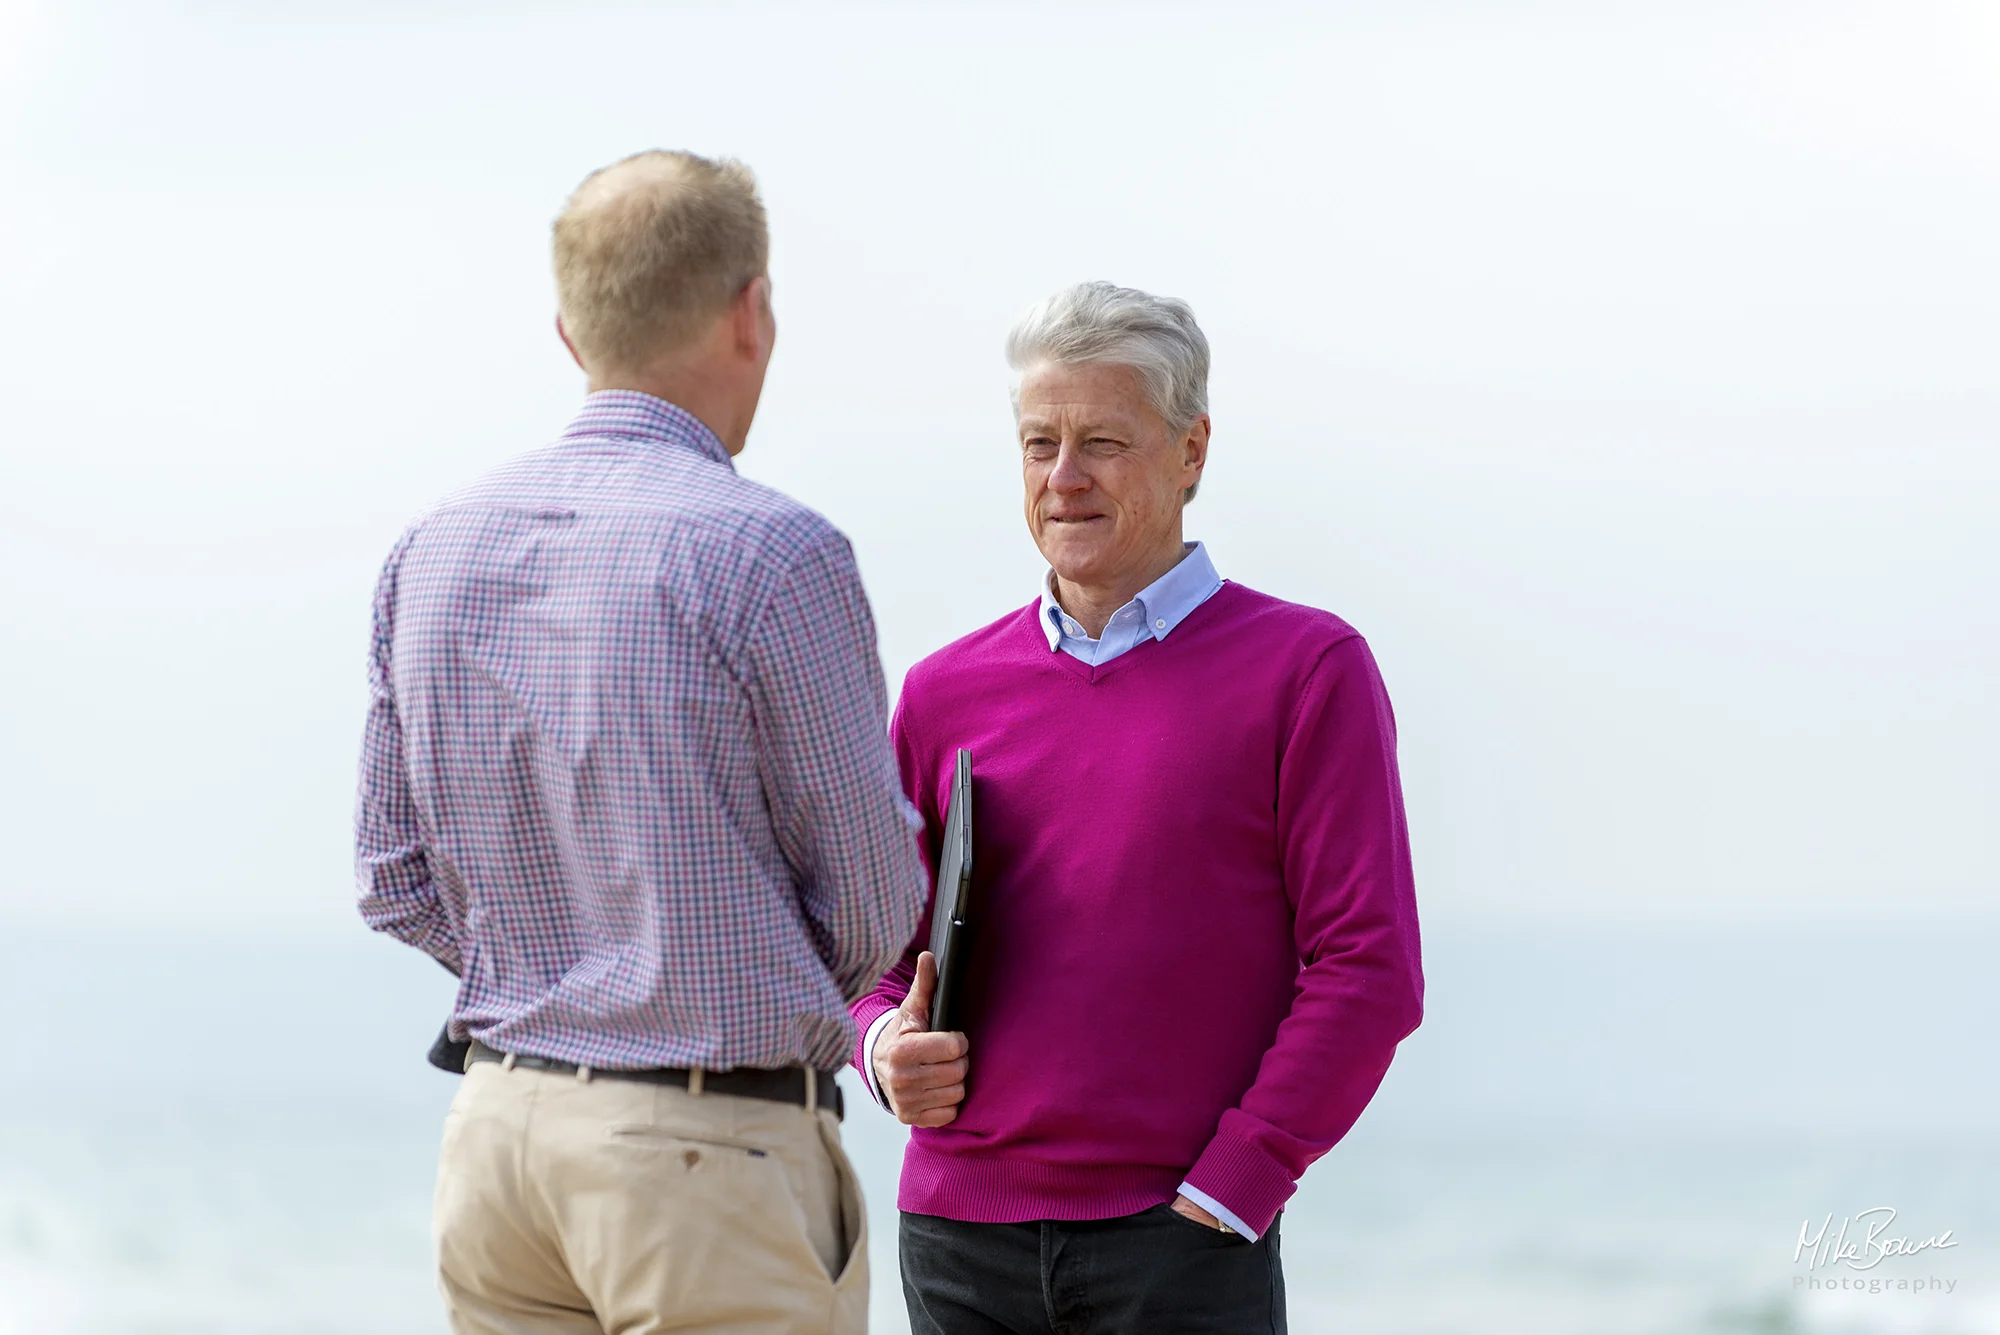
(1072,519)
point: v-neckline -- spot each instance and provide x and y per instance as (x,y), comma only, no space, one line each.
(1092,673)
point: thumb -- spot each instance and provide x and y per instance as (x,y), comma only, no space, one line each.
(917,1005)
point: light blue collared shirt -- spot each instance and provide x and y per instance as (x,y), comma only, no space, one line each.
(1152,614)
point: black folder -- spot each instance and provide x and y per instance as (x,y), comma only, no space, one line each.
(951,907)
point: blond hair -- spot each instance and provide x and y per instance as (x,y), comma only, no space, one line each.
(652,248)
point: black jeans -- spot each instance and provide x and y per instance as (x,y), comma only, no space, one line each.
(1151,1273)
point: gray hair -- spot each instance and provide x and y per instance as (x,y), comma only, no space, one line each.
(1101,322)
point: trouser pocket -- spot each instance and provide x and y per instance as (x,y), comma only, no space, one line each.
(853,1211)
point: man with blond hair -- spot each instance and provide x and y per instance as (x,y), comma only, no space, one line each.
(626,774)
(1197,942)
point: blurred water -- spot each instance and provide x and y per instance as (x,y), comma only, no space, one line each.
(236,1137)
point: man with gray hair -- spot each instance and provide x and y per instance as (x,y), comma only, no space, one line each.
(1197,940)
(626,775)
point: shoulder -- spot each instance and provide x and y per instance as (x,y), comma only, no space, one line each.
(512,482)
(765,526)
(1300,630)
(795,523)
(734,520)
(1304,652)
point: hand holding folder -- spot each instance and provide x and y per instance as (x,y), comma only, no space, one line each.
(921,1058)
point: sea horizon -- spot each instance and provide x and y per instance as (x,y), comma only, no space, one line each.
(1599,1132)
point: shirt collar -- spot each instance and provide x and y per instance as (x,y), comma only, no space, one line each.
(627,414)
(1164,603)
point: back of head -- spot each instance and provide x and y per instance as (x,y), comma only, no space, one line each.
(651,249)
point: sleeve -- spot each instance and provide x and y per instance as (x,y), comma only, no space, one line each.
(398,894)
(917,774)
(1345,853)
(821,712)
(869,1037)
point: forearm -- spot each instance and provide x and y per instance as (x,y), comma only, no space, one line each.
(864,1057)
(398,894)
(1315,1080)
(863,899)
(399,899)
(875,1012)
(881,1000)
(1344,850)
(830,781)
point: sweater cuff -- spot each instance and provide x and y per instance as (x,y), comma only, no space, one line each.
(869,1038)
(1236,1172)
(866,1012)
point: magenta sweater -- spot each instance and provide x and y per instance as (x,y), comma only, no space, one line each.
(1198,946)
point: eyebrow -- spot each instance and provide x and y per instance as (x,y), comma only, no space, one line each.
(1091,427)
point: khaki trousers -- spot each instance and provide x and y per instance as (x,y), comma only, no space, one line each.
(614,1207)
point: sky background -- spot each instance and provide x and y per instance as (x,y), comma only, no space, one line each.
(1626,374)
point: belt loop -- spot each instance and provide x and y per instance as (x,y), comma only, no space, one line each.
(695,1074)
(812,1090)
(583,1073)
(507,1062)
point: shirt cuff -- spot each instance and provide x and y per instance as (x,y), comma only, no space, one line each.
(1238,1168)
(868,1055)
(1218,1209)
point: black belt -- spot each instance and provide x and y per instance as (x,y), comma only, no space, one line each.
(784,1085)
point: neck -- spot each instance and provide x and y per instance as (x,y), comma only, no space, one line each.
(698,383)
(1094,604)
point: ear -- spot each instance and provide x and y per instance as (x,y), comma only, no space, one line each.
(1194,448)
(750,318)
(563,334)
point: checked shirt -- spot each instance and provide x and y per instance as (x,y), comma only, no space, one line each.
(626,769)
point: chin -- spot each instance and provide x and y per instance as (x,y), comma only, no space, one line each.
(1079,562)
(1073,571)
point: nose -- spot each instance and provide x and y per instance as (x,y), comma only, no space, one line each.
(1068,476)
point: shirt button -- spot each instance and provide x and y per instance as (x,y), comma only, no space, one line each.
(1071,627)
(1159,625)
